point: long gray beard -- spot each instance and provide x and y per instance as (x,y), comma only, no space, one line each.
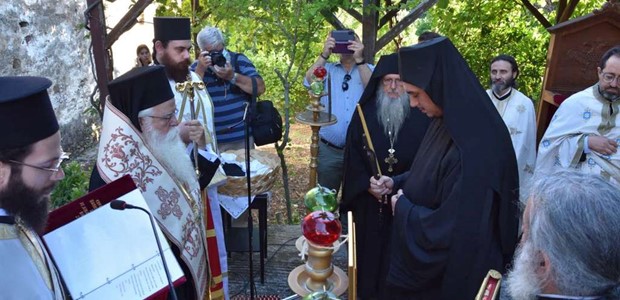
(392,112)
(169,150)
(522,282)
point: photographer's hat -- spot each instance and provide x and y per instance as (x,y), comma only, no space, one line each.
(139,89)
(26,113)
(171,28)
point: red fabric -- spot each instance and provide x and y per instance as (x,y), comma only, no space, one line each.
(212,250)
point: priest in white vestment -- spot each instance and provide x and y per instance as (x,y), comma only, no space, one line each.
(30,168)
(518,114)
(583,133)
(172,34)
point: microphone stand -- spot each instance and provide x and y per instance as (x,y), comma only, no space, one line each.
(247,121)
(122,205)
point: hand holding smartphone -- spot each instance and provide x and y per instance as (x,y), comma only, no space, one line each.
(342,38)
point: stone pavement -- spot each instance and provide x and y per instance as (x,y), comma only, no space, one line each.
(282,258)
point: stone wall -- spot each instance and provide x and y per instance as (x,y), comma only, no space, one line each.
(48,38)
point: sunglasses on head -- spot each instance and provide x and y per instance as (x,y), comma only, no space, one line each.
(345,82)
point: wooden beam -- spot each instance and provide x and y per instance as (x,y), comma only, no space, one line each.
(560,9)
(539,16)
(354,13)
(390,14)
(568,12)
(369,29)
(103,63)
(413,15)
(126,22)
(332,19)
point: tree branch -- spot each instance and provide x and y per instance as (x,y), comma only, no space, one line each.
(402,24)
(390,14)
(126,22)
(539,16)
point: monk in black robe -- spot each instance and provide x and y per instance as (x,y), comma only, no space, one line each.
(396,131)
(455,213)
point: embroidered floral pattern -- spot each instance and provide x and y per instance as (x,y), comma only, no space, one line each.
(121,155)
(521,108)
(191,238)
(587,114)
(546,143)
(169,203)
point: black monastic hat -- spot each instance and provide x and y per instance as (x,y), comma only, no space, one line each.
(171,28)
(26,113)
(139,89)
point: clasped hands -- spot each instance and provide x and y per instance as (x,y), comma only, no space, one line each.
(384,186)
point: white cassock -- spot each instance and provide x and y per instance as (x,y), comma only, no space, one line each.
(211,154)
(582,114)
(518,114)
(26,271)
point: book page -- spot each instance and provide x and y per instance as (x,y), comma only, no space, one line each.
(112,254)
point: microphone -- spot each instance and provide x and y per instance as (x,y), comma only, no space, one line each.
(122,205)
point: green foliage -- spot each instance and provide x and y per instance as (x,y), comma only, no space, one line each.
(483,29)
(74,185)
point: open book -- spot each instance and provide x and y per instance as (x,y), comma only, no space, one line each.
(103,253)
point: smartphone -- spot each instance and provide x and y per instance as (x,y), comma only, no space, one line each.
(342,38)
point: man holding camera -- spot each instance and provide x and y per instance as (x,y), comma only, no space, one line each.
(348,79)
(228,77)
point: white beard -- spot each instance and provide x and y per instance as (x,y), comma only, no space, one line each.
(522,282)
(391,112)
(169,150)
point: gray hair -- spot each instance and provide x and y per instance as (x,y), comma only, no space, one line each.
(212,36)
(575,221)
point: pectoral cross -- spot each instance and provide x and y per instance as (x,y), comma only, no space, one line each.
(391,159)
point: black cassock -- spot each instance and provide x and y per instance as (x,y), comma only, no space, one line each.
(373,237)
(458,215)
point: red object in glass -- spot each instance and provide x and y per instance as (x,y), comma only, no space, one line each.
(321,228)
(320,72)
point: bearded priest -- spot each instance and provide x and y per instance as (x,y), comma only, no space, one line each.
(140,137)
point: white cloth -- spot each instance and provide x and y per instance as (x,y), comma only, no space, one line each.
(26,271)
(518,114)
(210,153)
(585,113)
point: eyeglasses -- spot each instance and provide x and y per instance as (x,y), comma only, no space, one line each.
(55,164)
(167,118)
(389,81)
(345,82)
(610,77)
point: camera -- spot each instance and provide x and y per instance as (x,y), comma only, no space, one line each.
(217,58)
